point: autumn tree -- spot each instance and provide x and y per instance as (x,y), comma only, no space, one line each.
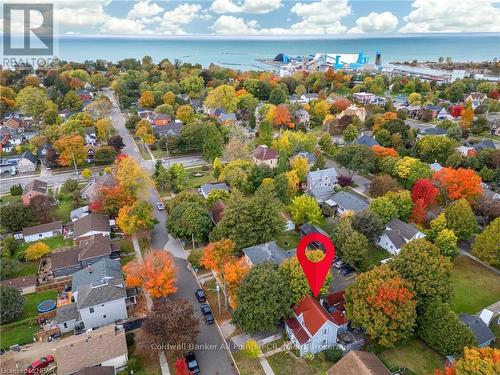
(32,101)
(458,183)
(71,149)
(409,170)
(110,200)
(446,241)
(103,127)
(426,270)
(136,219)
(157,274)
(305,209)
(99,109)
(129,175)
(381,151)
(300,164)
(292,271)
(169,98)
(171,325)
(181,367)
(36,251)
(487,244)
(144,131)
(402,201)
(368,224)
(218,253)
(223,96)
(350,133)
(282,117)
(147,99)
(264,299)
(475,361)
(460,219)
(384,208)
(442,329)
(381,184)
(433,148)
(235,272)
(425,190)
(381,302)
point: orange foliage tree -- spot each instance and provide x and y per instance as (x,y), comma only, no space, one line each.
(71,148)
(466,117)
(282,117)
(157,274)
(110,200)
(458,183)
(474,361)
(381,151)
(234,273)
(147,99)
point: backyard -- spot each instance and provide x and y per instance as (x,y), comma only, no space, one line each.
(285,363)
(415,356)
(475,286)
(21,331)
(248,366)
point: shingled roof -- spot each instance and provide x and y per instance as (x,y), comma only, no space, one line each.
(359,363)
(91,222)
(109,290)
(262,152)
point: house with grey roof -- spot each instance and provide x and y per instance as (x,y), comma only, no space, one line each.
(90,225)
(483,334)
(172,129)
(102,303)
(435,167)
(79,212)
(42,231)
(345,201)
(367,140)
(27,163)
(484,145)
(440,132)
(308,228)
(91,191)
(396,234)
(320,183)
(105,269)
(266,252)
(66,317)
(205,189)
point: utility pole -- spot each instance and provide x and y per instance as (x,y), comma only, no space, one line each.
(76,167)
(217,288)
(168,155)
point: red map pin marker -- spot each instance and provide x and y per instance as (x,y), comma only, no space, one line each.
(315,271)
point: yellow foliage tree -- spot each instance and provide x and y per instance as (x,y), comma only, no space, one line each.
(36,251)
(147,99)
(301,166)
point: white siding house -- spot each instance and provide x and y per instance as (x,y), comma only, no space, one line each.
(40,232)
(396,234)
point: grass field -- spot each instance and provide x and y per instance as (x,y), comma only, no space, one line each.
(415,356)
(32,301)
(17,333)
(288,240)
(285,363)
(474,286)
(248,366)
(64,208)
(375,255)
(53,243)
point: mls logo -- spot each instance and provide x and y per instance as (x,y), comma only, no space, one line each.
(28,29)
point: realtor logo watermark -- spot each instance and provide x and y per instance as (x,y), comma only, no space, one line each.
(28,38)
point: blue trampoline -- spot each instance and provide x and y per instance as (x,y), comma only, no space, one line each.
(46,306)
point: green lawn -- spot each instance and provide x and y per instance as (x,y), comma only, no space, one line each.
(64,208)
(196,182)
(285,363)
(495,327)
(248,366)
(126,259)
(53,243)
(474,286)
(415,356)
(17,333)
(32,301)
(4,199)
(375,255)
(27,268)
(288,240)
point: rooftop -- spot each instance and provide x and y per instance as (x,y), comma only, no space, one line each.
(262,152)
(36,185)
(481,331)
(359,363)
(350,201)
(42,228)
(94,274)
(91,222)
(107,290)
(267,252)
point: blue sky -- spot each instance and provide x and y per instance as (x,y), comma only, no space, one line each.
(276,17)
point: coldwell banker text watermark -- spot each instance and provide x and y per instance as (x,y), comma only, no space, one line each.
(28,36)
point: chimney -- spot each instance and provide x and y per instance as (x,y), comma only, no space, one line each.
(89,268)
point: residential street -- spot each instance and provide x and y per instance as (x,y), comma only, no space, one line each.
(213,358)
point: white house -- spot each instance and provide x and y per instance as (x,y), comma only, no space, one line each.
(40,232)
(104,346)
(264,155)
(396,234)
(320,183)
(312,328)
(90,136)
(364,97)
(345,201)
(205,189)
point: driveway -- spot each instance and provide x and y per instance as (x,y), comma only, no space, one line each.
(340,282)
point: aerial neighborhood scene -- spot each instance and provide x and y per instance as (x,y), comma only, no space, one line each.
(157,194)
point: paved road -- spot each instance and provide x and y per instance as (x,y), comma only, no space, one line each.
(214,359)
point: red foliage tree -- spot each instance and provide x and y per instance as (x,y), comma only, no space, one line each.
(494,95)
(458,183)
(341,104)
(456,110)
(418,212)
(282,116)
(425,190)
(381,151)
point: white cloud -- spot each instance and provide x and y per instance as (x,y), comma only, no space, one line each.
(248,6)
(114,25)
(144,9)
(375,22)
(78,13)
(181,15)
(452,16)
(319,17)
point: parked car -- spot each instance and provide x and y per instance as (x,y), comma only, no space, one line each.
(37,366)
(338,264)
(346,270)
(160,206)
(200,295)
(207,313)
(192,363)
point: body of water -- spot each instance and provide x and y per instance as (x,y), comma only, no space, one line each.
(245,53)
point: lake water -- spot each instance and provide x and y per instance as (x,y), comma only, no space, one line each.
(244,53)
